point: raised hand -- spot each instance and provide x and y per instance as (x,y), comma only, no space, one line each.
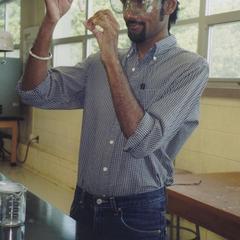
(106,30)
(55,9)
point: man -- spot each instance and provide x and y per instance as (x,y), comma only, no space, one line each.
(139,109)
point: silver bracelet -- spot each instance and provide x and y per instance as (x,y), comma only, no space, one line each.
(40,58)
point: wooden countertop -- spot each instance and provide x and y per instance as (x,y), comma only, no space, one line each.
(213,204)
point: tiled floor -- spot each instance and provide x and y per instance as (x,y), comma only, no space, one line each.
(59,197)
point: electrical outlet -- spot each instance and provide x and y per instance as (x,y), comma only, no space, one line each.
(33,138)
(36,139)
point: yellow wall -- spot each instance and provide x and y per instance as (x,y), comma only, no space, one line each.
(32,12)
(215,145)
(56,155)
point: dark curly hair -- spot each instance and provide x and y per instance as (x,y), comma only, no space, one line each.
(173,17)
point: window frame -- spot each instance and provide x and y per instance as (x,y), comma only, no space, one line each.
(204,22)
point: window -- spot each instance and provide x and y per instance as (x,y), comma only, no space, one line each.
(10,21)
(72,23)
(189,9)
(222,6)
(187,36)
(67,54)
(211,28)
(2,19)
(92,47)
(224,50)
(72,38)
(93,7)
(204,26)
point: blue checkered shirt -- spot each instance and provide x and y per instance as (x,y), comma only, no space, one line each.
(168,84)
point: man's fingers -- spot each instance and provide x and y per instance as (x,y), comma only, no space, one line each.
(104,19)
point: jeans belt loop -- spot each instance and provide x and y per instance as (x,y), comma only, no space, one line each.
(82,196)
(113,203)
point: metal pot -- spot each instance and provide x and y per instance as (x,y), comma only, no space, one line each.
(12,203)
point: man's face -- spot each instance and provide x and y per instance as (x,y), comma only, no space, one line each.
(143,19)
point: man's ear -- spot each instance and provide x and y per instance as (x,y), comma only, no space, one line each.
(169,6)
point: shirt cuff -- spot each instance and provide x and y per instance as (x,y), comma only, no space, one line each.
(134,143)
(34,95)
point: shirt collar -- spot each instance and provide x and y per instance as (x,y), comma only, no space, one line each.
(160,47)
(165,44)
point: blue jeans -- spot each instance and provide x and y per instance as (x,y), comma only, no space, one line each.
(135,217)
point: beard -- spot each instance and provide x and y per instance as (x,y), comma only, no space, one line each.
(136,37)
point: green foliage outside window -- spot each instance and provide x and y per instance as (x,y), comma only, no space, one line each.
(71,24)
(10,19)
(77,20)
(221,6)
(189,9)
(187,36)
(77,16)
(13,20)
(2,17)
(224,54)
(103,4)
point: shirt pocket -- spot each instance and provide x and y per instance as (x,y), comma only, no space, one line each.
(147,97)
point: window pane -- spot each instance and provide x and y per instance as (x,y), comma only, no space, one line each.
(103,4)
(189,9)
(220,6)
(71,24)
(224,50)
(13,20)
(2,17)
(67,54)
(92,45)
(187,36)
(124,41)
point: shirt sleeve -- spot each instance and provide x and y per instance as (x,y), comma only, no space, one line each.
(168,114)
(63,88)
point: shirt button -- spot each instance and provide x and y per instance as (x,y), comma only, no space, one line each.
(105,169)
(111,142)
(99,201)
(133,69)
(154,58)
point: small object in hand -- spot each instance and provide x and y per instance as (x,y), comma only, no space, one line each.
(98,28)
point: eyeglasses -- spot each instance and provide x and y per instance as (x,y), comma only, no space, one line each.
(138,7)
